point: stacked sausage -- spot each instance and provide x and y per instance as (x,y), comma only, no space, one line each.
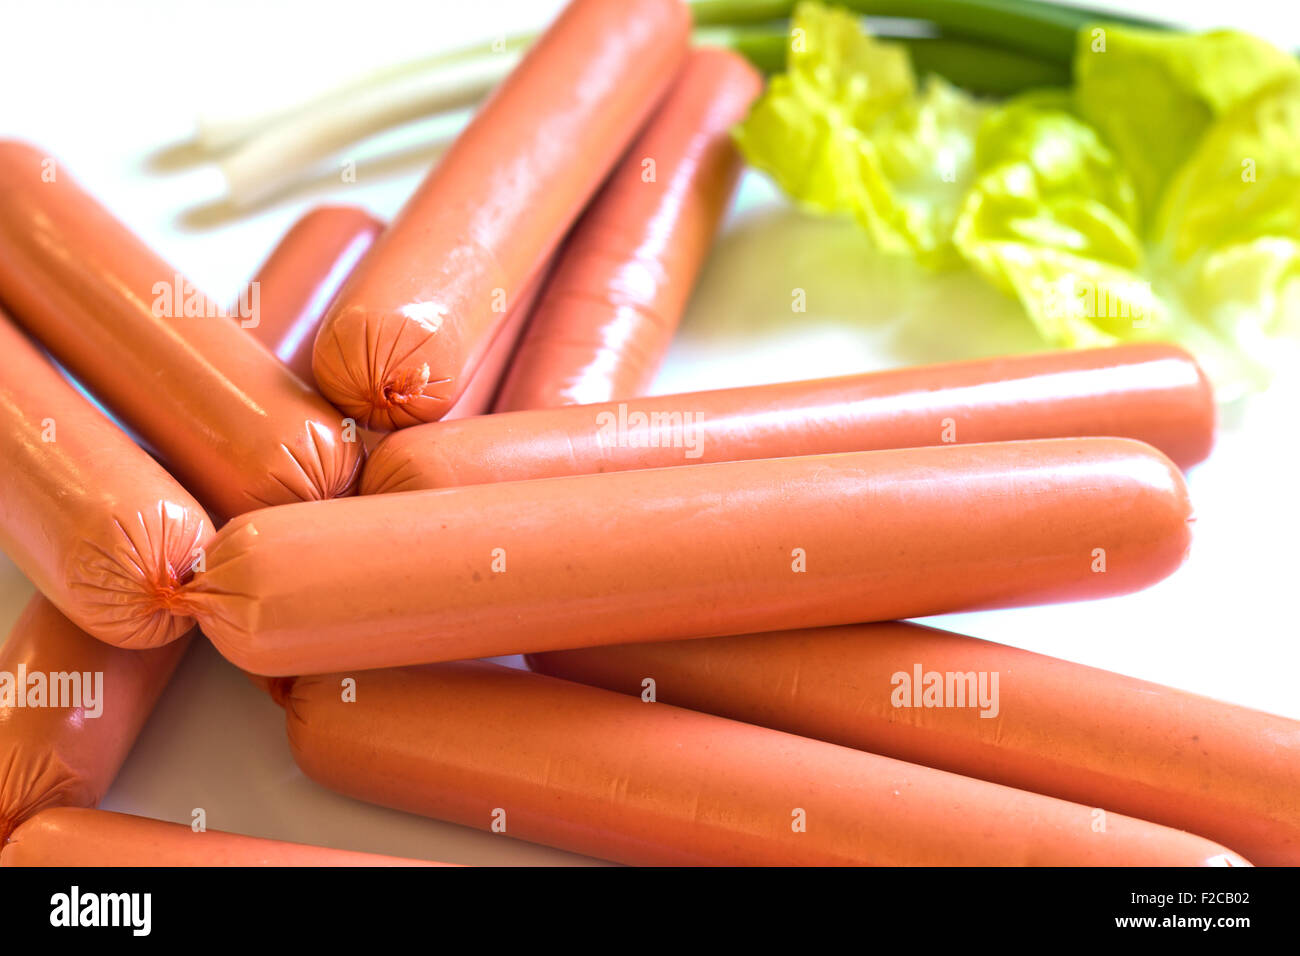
(588,526)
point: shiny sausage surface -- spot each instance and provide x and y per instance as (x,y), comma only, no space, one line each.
(235,426)
(604,774)
(301,276)
(610,308)
(1228,773)
(729,548)
(1154,393)
(68,755)
(416,317)
(94,522)
(94,838)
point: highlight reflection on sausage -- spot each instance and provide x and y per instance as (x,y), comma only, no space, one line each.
(668,553)
(234,425)
(58,755)
(1154,393)
(92,838)
(1090,736)
(626,270)
(604,774)
(418,314)
(304,272)
(485,382)
(85,513)
(301,276)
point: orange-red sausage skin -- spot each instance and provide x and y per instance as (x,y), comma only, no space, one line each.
(94,838)
(417,316)
(1153,393)
(91,519)
(1090,736)
(606,775)
(626,271)
(235,426)
(727,548)
(60,756)
(301,276)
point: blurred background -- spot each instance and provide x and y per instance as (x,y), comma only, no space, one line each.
(113,91)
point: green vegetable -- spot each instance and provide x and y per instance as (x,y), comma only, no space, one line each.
(1229,223)
(845,131)
(1045,30)
(981,69)
(1242,180)
(916,165)
(975,67)
(1052,218)
(1158,198)
(806,130)
(1154,94)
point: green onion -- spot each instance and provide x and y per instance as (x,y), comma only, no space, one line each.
(984,70)
(981,69)
(1036,29)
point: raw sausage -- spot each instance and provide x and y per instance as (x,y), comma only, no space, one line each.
(69,836)
(58,755)
(667,553)
(1074,732)
(414,320)
(299,279)
(627,269)
(603,774)
(301,276)
(234,425)
(85,513)
(1155,393)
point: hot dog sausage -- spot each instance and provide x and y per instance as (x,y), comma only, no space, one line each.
(1074,732)
(1155,393)
(233,424)
(299,279)
(603,774)
(668,553)
(68,755)
(301,276)
(85,513)
(627,269)
(68,836)
(414,320)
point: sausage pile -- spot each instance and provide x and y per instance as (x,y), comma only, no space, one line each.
(707,585)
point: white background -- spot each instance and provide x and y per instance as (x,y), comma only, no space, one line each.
(113,91)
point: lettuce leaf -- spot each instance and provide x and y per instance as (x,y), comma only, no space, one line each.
(1052,219)
(845,131)
(1153,94)
(1229,224)
(1157,198)
(1242,181)
(915,169)
(805,129)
